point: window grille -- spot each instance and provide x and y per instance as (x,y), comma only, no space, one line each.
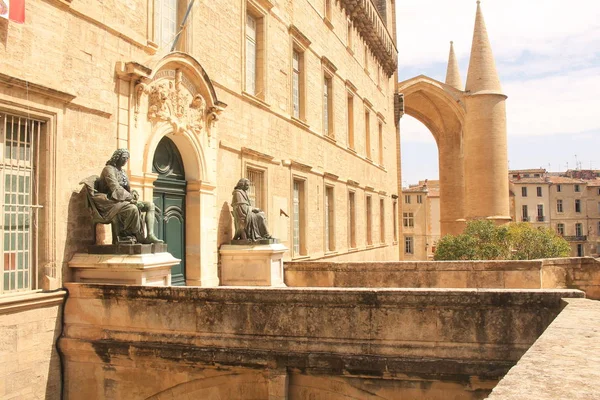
(19,160)
(369,221)
(296,83)
(255,191)
(296,239)
(329,229)
(251,26)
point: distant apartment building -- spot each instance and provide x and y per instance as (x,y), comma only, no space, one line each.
(421,220)
(567,202)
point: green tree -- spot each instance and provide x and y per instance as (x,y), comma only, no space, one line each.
(483,240)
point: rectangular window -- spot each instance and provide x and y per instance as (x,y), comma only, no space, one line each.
(577,205)
(298,241)
(525,213)
(297,84)
(577,188)
(369,210)
(559,206)
(578,229)
(380,143)
(349,35)
(256,190)
(352,220)
(408,219)
(329,220)
(408,245)
(598,207)
(328,9)
(19,173)
(598,191)
(524,191)
(368,134)
(407,199)
(560,229)
(395,219)
(381,221)
(539,191)
(255,54)
(350,121)
(327,106)
(559,188)
(540,213)
(420,199)
(580,250)
(165,22)
(598,229)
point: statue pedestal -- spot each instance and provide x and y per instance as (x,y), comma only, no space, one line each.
(252,264)
(125,264)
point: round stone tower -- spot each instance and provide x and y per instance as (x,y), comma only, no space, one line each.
(485,148)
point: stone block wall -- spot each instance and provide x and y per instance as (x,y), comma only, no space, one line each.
(136,342)
(29,362)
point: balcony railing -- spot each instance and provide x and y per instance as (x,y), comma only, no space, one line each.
(525,219)
(575,238)
(368,22)
(540,218)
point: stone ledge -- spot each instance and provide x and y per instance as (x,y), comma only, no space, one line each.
(29,300)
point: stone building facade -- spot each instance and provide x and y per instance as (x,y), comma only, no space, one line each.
(296,95)
(421,220)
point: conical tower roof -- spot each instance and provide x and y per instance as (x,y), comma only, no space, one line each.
(482,75)
(453,74)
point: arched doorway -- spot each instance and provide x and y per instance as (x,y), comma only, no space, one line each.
(169,197)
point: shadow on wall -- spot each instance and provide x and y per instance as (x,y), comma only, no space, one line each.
(54,382)
(80,231)
(225,231)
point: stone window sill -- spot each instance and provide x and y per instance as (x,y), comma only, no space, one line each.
(22,301)
(253,99)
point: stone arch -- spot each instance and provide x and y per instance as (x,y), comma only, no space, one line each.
(440,108)
(250,386)
(176,98)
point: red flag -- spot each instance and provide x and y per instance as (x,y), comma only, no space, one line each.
(16,12)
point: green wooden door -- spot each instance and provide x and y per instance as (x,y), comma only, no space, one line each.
(169,197)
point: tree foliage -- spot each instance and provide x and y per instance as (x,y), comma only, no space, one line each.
(483,240)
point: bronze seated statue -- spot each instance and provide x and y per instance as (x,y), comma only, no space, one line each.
(111,201)
(250,222)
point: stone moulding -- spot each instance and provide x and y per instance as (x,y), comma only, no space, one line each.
(367,21)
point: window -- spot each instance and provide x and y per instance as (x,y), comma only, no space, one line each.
(577,188)
(420,199)
(408,219)
(256,190)
(298,241)
(255,53)
(381,9)
(368,134)
(599,207)
(560,229)
(539,191)
(525,213)
(298,97)
(328,9)
(381,221)
(369,208)
(598,229)
(559,188)
(408,245)
(579,250)
(559,206)
(349,41)
(380,126)
(350,121)
(598,191)
(407,199)
(327,106)
(19,160)
(165,22)
(577,205)
(395,219)
(540,213)
(578,229)
(352,220)
(524,191)
(329,220)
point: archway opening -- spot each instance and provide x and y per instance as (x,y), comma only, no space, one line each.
(170,197)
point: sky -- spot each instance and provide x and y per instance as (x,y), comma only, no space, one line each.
(547,55)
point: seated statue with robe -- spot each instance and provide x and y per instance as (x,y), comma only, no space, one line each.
(250,222)
(112,201)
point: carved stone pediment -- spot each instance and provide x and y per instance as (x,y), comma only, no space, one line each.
(172,98)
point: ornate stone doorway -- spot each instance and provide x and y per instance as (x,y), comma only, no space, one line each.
(169,197)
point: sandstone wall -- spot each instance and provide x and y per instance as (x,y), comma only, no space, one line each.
(136,342)
(29,362)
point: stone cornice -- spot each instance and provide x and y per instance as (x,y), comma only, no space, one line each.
(373,30)
(11,81)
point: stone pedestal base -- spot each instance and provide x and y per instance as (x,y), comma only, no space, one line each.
(252,265)
(145,265)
